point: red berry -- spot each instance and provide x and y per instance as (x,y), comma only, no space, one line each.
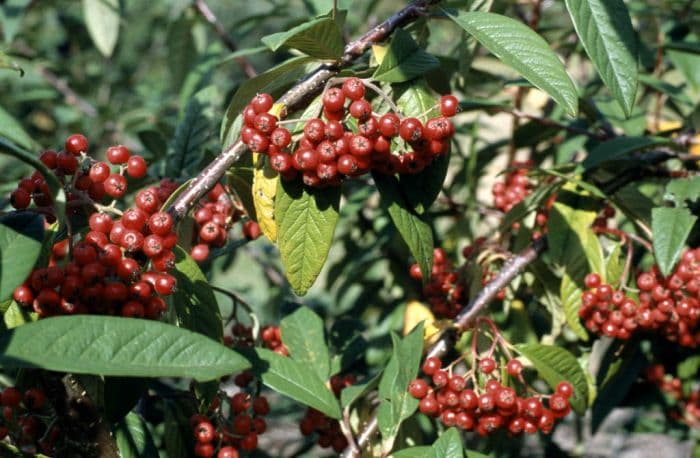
(249,442)
(115,185)
(67,163)
(333,99)
(514,367)
(136,167)
(487,365)
(118,154)
(314,130)
(353,88)
(431,365)
(200,252)
(418,388)
(592,280)
(23,295)
(281,137)
(160,223)
(360,109)
(449,105)
(227,452)
(11,397)
(261,406)
(262,103)
(76,144)
(20,198)
(565,388)
(389,125)
(203,449)
(428,405)
(411,130)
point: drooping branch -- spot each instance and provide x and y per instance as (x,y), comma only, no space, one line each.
(294,98)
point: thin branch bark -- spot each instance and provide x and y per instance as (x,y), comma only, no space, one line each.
(209,16)
(309,87)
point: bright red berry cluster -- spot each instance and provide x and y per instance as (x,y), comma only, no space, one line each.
(82,177)
(272,339)
(328,429)
(329,150)
(118,266)
(213,220)
(459,400)
(513,190)
(25,421)
(232,430)
(445,294)
(669,306)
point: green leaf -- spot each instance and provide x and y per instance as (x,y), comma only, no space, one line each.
(13,131)
(605,30)
(570,294)
(7,63)
(670,229)
(303,333)
(320,38)
(240,179)
(614,266)
(182,52)
(192,133)
(525,51)
(415,232)
(422,451)
(692,47)
(620,148)
(293,379)
(449,445)
(17,316)
(681,191)
(415,98)
(571,238)
(194,301)
(689,367)
(134,439)
(272,81)
(21,237)
(306,219)
(11,14)
(396,404)
(404,60)
(555,364)
(675,92)
(102,21)
(421,189)
(177,435)
(352,393)
(105,345)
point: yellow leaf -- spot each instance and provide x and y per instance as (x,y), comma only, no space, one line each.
(695,146)
(416,312)
(264,190)
(279,110)
(379,52)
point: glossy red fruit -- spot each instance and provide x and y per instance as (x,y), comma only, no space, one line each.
(418,388)
(353,88)
(262,103)
(565,388)
(118,154)
(136,167)
(115,186)
(449,105)
(76,144)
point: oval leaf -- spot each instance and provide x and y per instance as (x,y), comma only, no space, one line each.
(570,295)
(102,21)
(304,335)
(555,364)
(670,229)
(134,438)
(525,51)
(194,301)
(405,60)
(417,234)
(21,237)
(293,379)
(106,345)
(320,38)
(620,148)
(264,189)
(605,30)
(306,220)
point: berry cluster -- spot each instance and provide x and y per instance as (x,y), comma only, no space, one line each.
(670,306)
(119,266)
(83,178)
(688,410)
(329,150)
(513,190)
(444,292)
(25,423)
(328,429)
(459,401)
(238,429)
(213,219)
(242,337)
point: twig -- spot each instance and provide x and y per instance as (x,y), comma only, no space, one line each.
(551,123)
(304,90)
(71,97)
(206,12)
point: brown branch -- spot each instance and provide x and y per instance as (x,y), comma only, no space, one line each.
(518,114)
(292,99)
(209,16)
